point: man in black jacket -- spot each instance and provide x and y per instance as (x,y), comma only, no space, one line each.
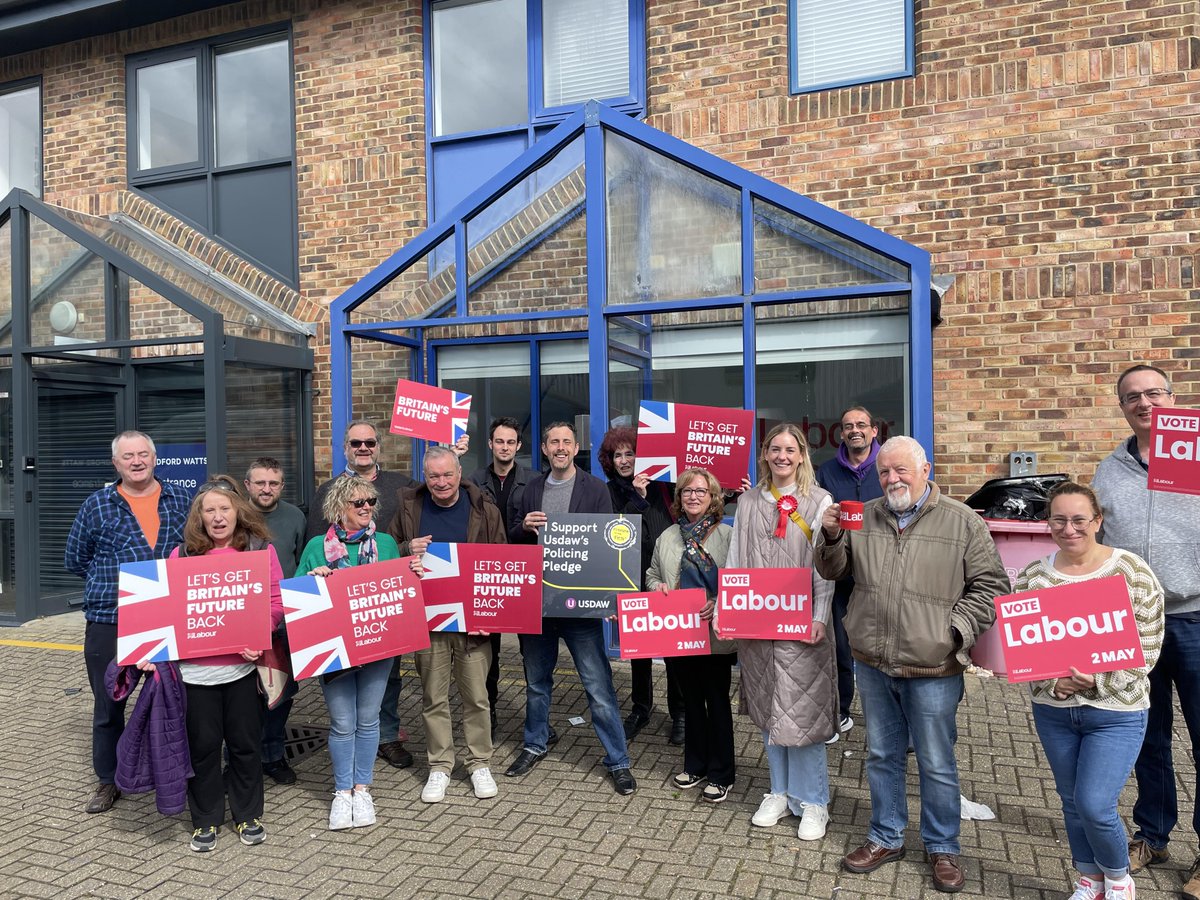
(566,489)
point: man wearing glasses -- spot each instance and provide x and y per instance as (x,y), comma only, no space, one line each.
(264,484)
(1162,528)
(136,518)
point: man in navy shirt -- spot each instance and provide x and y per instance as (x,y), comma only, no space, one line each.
(850,475)
(137,518)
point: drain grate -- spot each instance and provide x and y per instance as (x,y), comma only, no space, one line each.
(304,740)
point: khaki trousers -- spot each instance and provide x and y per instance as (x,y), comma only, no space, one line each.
(448,654)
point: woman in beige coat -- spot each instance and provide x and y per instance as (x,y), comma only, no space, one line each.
(787,687)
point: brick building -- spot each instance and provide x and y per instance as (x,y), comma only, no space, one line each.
(1040,152)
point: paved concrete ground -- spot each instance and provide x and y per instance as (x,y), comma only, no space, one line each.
(559,832)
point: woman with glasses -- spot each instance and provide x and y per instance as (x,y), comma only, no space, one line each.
(787,687)
(1091,726)
(353,696)
(688,555)
(223,705)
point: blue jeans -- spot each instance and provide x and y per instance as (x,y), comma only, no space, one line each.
(799,773)
(353,699)
(585,640)
(1156,810)
(389,709)
(923,709)
(1091,752)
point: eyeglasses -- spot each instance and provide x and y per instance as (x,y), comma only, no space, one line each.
(369,443)
(266,484)
(1058,523)
(216,486)
(364,501)
(694,492)
(1153,395)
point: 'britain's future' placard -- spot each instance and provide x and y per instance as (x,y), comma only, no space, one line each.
(674,437)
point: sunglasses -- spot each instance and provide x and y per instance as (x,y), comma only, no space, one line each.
(364,501)
(215,486)
(369,443)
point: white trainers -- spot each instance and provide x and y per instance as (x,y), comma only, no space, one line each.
(773,808)
(1121,889)
(435,788)
(1087,889)
(364,808)
(813,822)
(846,724)
(484,783)
(341,813)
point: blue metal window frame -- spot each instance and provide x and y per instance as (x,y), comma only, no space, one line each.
(539,116)
(24,84)
(593,121)
(793,36)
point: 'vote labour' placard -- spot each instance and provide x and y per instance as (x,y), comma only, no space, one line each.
(1088,625)
(353,617)
(483,587)
(429,412)
(193,606)
(673,437)
(1175,451)
(589,558)
(767,604)
(658,624)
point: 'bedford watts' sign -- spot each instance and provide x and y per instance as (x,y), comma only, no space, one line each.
(768,604)
(1175,451)
(658,624)
(1089,625)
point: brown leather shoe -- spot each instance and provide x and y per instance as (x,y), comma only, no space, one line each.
(104,798)
(947,872)
(869,857)
(395,754)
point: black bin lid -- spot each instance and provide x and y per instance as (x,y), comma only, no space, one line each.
(1018,497)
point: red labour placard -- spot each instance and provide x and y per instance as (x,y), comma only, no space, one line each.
(429,412)
(767,604)
(353,617)
(658,624)
(193,606)
(483,587)
(673,437)
(1088,625)
(1175,451)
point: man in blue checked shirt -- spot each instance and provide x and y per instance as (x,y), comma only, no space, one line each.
(136,518)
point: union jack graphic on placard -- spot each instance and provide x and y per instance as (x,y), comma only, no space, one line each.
(443,574)
(305,595)
(461,411)
(655,419)
(146,629)
(320,659)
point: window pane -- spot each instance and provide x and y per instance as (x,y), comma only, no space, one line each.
(479,65)
(563,392)
(168,122)
(852,40)
(496,375)
(586,50)
(20,141)
(254,104)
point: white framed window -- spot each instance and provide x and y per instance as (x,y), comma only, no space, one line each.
(21,138)
(849,42)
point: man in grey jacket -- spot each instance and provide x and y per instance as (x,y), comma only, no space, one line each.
(1162,529)
(925,572)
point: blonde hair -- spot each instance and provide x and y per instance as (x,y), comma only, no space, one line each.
(805,477)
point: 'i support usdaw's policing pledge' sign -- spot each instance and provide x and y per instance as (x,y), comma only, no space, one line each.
(589,558)
(353,617)
(1175,451)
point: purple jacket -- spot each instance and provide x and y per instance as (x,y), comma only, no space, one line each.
(152,754)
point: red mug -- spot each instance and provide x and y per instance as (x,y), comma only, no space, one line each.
(850,516)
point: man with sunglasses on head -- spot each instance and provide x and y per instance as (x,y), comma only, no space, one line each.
(1161,528)
(136,518)
(287,524)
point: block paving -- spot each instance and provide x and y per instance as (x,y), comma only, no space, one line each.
(560,831)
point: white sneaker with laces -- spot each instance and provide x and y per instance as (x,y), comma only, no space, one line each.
(1121,889)
(813,822)
(435,788)
(341,813)
(1088,889)
(846,724)
(484,784)
(773,808)
(364,808)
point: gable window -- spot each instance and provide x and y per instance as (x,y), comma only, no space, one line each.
(21,138)
(504,72)
(849,42)
(212,139)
